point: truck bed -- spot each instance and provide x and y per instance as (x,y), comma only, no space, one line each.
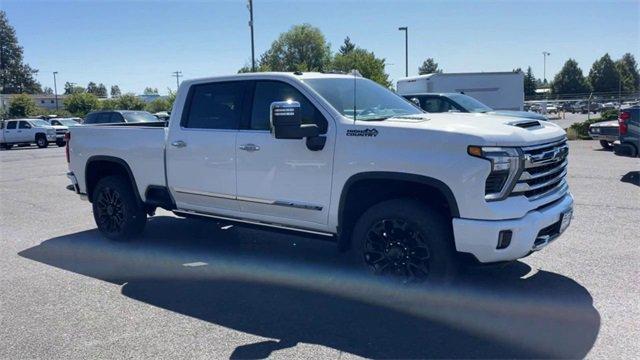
(134,143)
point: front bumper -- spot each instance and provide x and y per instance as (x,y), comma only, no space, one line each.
(51,137)
(530,233)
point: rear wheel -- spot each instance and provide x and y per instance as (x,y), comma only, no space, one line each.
(7,146)
(41,141)
(116,210)
(61,143)
(405,239)
(605,144)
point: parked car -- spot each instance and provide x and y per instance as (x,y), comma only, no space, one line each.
(629,125)
(606,132)
(26,132)
(62,127)
(162,115)
(454,102)
(337,157)
(119,116)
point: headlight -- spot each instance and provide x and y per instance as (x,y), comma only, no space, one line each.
(506,167)
(51,131)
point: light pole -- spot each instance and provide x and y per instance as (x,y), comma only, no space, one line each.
(55,88)
(544,55)
(253,56)
(406,49)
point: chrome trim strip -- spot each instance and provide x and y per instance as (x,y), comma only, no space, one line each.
(527,176)
(521,187)
(549,144)
(278,226)
(204,193)
(251,199)
(561,187)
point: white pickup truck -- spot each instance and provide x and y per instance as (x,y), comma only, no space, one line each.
(409,193)
(26,132)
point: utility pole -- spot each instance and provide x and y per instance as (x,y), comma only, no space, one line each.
(253,56)
(406,49)
(178,75)
(55,89)
(544,55)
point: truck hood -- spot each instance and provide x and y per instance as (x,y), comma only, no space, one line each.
(60,127)
(483,129)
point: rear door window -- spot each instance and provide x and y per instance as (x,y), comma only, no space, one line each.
(11,125)
(215,106)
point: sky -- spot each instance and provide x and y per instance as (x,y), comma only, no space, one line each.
(135,44)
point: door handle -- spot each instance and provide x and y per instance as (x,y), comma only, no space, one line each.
(179,144)
(249,147)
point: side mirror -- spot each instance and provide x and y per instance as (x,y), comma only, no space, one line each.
(415,101)
(454,111)
(286,121)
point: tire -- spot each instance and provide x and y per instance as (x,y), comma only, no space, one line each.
(41,141)
(405,239)
(61,143)
(116,210)
(606,145)
(7,146)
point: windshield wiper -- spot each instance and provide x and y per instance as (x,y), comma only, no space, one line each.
(381,118)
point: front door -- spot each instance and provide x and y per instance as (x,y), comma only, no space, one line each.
(201,149)
(282,180)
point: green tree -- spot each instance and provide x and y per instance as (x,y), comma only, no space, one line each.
(109,104)
(160,104)
(365,62)
(603,76)
(47,90)
(150,91)
(22,106)
(81,103)
(115,91)
(130,102)
(92,88)
(70,88)
(429,66)
(529,83)
(101,91)
(15,76)
(347,46)
(569,80)
(628,73)
(302,48)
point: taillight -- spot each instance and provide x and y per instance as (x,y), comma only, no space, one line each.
(622,122)
(67,138)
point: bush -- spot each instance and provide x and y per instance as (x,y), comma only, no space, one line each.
(108,104)
(609,115)
(157,105)
(130,102)
(22,106)
(80,104)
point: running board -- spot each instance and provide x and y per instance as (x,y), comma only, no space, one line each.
(251,222)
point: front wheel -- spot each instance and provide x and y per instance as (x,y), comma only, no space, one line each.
(116,210)
(61,143)
(405,239)
(606,145)
(42,142)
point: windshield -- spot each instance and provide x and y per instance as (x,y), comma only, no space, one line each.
(139,116)
(68,122)
(373,102)
(470,104)
(39,123)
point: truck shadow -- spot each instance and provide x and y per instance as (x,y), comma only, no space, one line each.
(297,290)
(632,177)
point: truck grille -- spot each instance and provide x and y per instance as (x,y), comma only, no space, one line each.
(61,131)
(545,170)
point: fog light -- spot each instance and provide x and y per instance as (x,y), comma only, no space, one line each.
(504,239)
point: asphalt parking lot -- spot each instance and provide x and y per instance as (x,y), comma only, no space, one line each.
(195,289)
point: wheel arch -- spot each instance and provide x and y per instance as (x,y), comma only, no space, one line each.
(379,186)
(100,166)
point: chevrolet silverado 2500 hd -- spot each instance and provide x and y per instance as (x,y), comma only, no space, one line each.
(407,192)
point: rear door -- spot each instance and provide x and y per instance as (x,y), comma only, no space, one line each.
(282,180)
(11,132)
(201,148)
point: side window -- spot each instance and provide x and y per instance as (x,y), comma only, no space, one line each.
(12,124)
(267,92)
(116,118)
(55,122)
(103,118)
(215,106)
(24,125)
(432,105)
(90,119)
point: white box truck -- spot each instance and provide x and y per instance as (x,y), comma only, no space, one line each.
(498,90)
